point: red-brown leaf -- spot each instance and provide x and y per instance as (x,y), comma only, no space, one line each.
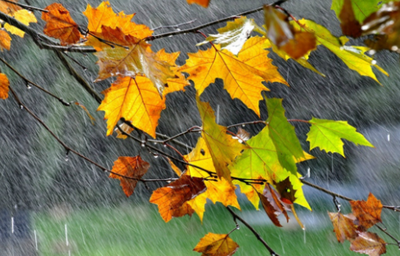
(348,22)
(368,213)
(368,243)
(173,196)
(132,167)
(343,226)
(60,25)
(286,190)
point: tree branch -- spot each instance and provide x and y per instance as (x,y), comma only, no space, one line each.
(257,235)
(32,8)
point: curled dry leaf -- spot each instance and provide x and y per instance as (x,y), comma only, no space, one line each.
(216,245)
(368,213)
(4,85)
(343,226)
(172,197)
(368,243)
(273,206)
(132,167)
(126,128)
(60,25)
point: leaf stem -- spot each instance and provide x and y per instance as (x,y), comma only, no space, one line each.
(257,235)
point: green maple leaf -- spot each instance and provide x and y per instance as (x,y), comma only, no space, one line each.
(328,135)
(362,8)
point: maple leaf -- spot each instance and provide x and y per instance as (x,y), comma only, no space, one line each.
(203,3)
(173,196)
(5,40)
(328,135)
(104,15)
(343,226)
(25,17)
(9,8)
(272,205)
(295,43)
(132,57)
(352,56)
(4,84)
(348,22)
(233,36)
(222,147)
(242,75)
(361,8)
(217,191)
(286,191)
(216,245)
(368,213)
(60,25)
(132,167)
(283,135)
(368,243)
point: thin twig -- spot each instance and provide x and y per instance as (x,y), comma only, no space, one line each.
(34,84)
(174,26)
(257,235)
(32,8)
(388,234)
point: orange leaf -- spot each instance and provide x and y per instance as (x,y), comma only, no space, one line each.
(134,99)
(183,210)
(172,197)
(5,40)
(131,57)
(132,167)
(203,3)
(281,33)
(368,213)
(4,85)
(368,243)
(9,8)
(343,226)
(242,75)
(60,25)
(216,245)
(222,147)
(104,15)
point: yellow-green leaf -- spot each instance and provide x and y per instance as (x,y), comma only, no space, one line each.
(362,8)
(328,135)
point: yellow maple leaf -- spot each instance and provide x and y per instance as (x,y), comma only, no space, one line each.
(217,191)
(104,15)
(242,75)
(25,17)
(222,147)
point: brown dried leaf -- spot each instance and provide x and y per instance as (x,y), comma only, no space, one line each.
(348,22)
(216,245)
(285,189)
(368,213)
(368,243)
(60,25)
(172,197)
(133,167)
(343,226)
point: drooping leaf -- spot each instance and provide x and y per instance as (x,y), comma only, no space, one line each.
(233,36)
(283,135)
(60,25)
(134,99)
(286,191)
(203,3)
(328,135)
(362,9)
(368,243)
(104,15)
(92,119)
(222,147)
(173,196)
(132,57)
(343,226)
(4,84)
(348,21)
(272,205)
(242,75)
(132,167)
(5,40)
(216,245)
(368,213)
(295,43)
(352,56)
(25,17)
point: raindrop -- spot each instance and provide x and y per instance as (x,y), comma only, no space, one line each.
(283,249)
(394,48)
(66,158)
(371,52)
(243,125)
(240,141)
(178,29)
(170,36)
(373,62)
(308,172)
(28,86)
(341,48)
(36,243)
(12,225)
(365,27)
(165,145)
(155,155)
(143,145)
(304,232)
(66,235)
(217,114)
(388,137)
(21,107)
(85,68)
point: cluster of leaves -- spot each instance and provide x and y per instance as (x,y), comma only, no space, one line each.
(264,166)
